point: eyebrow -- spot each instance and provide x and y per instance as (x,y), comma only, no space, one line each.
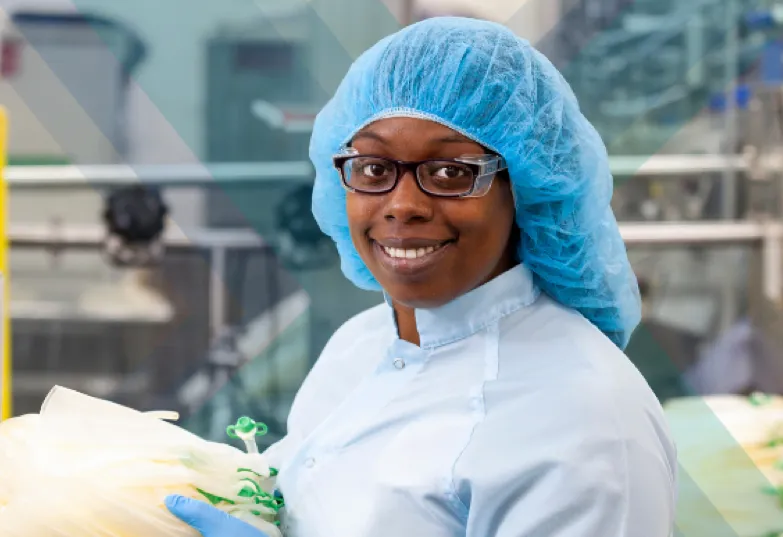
(455,139)
(369,134)
(450,139)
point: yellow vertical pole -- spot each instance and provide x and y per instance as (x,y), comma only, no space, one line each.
(5,316)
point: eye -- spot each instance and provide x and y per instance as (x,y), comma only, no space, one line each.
(450,172)
(374,170)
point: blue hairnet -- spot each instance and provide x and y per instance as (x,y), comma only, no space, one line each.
(481,80)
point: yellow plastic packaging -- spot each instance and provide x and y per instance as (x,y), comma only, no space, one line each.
(84,467)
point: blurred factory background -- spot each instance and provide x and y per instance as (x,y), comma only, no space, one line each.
(163,253)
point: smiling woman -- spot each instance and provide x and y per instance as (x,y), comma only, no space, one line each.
(488,396)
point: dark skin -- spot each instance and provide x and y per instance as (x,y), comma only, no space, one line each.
(473,235)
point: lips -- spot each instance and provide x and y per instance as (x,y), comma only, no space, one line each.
(410,256)
(410,253)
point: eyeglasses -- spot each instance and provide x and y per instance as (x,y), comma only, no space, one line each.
(469,176)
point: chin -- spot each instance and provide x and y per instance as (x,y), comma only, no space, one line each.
(419,299)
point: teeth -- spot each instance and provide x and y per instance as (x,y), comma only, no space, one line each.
(412,253)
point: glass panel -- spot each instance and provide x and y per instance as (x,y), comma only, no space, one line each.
(675,199)
(706,326)
(645,70)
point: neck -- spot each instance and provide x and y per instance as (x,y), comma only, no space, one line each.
(406,323)
(406,316)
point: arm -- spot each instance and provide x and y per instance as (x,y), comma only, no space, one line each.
(591,497)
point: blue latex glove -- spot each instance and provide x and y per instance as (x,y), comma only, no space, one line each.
(208,520)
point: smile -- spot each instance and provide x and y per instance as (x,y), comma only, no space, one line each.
(410,253)
(410,262)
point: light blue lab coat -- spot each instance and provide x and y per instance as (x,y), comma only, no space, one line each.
(515,417)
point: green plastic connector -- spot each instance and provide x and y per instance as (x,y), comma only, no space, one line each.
(246,427)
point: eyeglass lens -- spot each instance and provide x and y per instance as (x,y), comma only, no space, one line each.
(374,174)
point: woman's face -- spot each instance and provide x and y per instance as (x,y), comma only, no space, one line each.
(467,239)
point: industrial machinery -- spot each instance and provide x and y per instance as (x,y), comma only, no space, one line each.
(73,312)
(640,68)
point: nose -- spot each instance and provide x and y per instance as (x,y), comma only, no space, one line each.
(407,203)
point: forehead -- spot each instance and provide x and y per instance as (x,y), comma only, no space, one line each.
(412,138)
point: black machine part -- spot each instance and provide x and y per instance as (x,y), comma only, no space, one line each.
(135,218)
(301,243)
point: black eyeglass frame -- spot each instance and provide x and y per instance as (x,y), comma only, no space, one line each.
(484,167)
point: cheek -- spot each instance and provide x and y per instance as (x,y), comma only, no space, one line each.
(482,221)
(360,213)
(485,226)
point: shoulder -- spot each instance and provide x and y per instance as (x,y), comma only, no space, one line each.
(556,358)
(568,403)
(555,348)
(549,324)
(606,458)
(570,399)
